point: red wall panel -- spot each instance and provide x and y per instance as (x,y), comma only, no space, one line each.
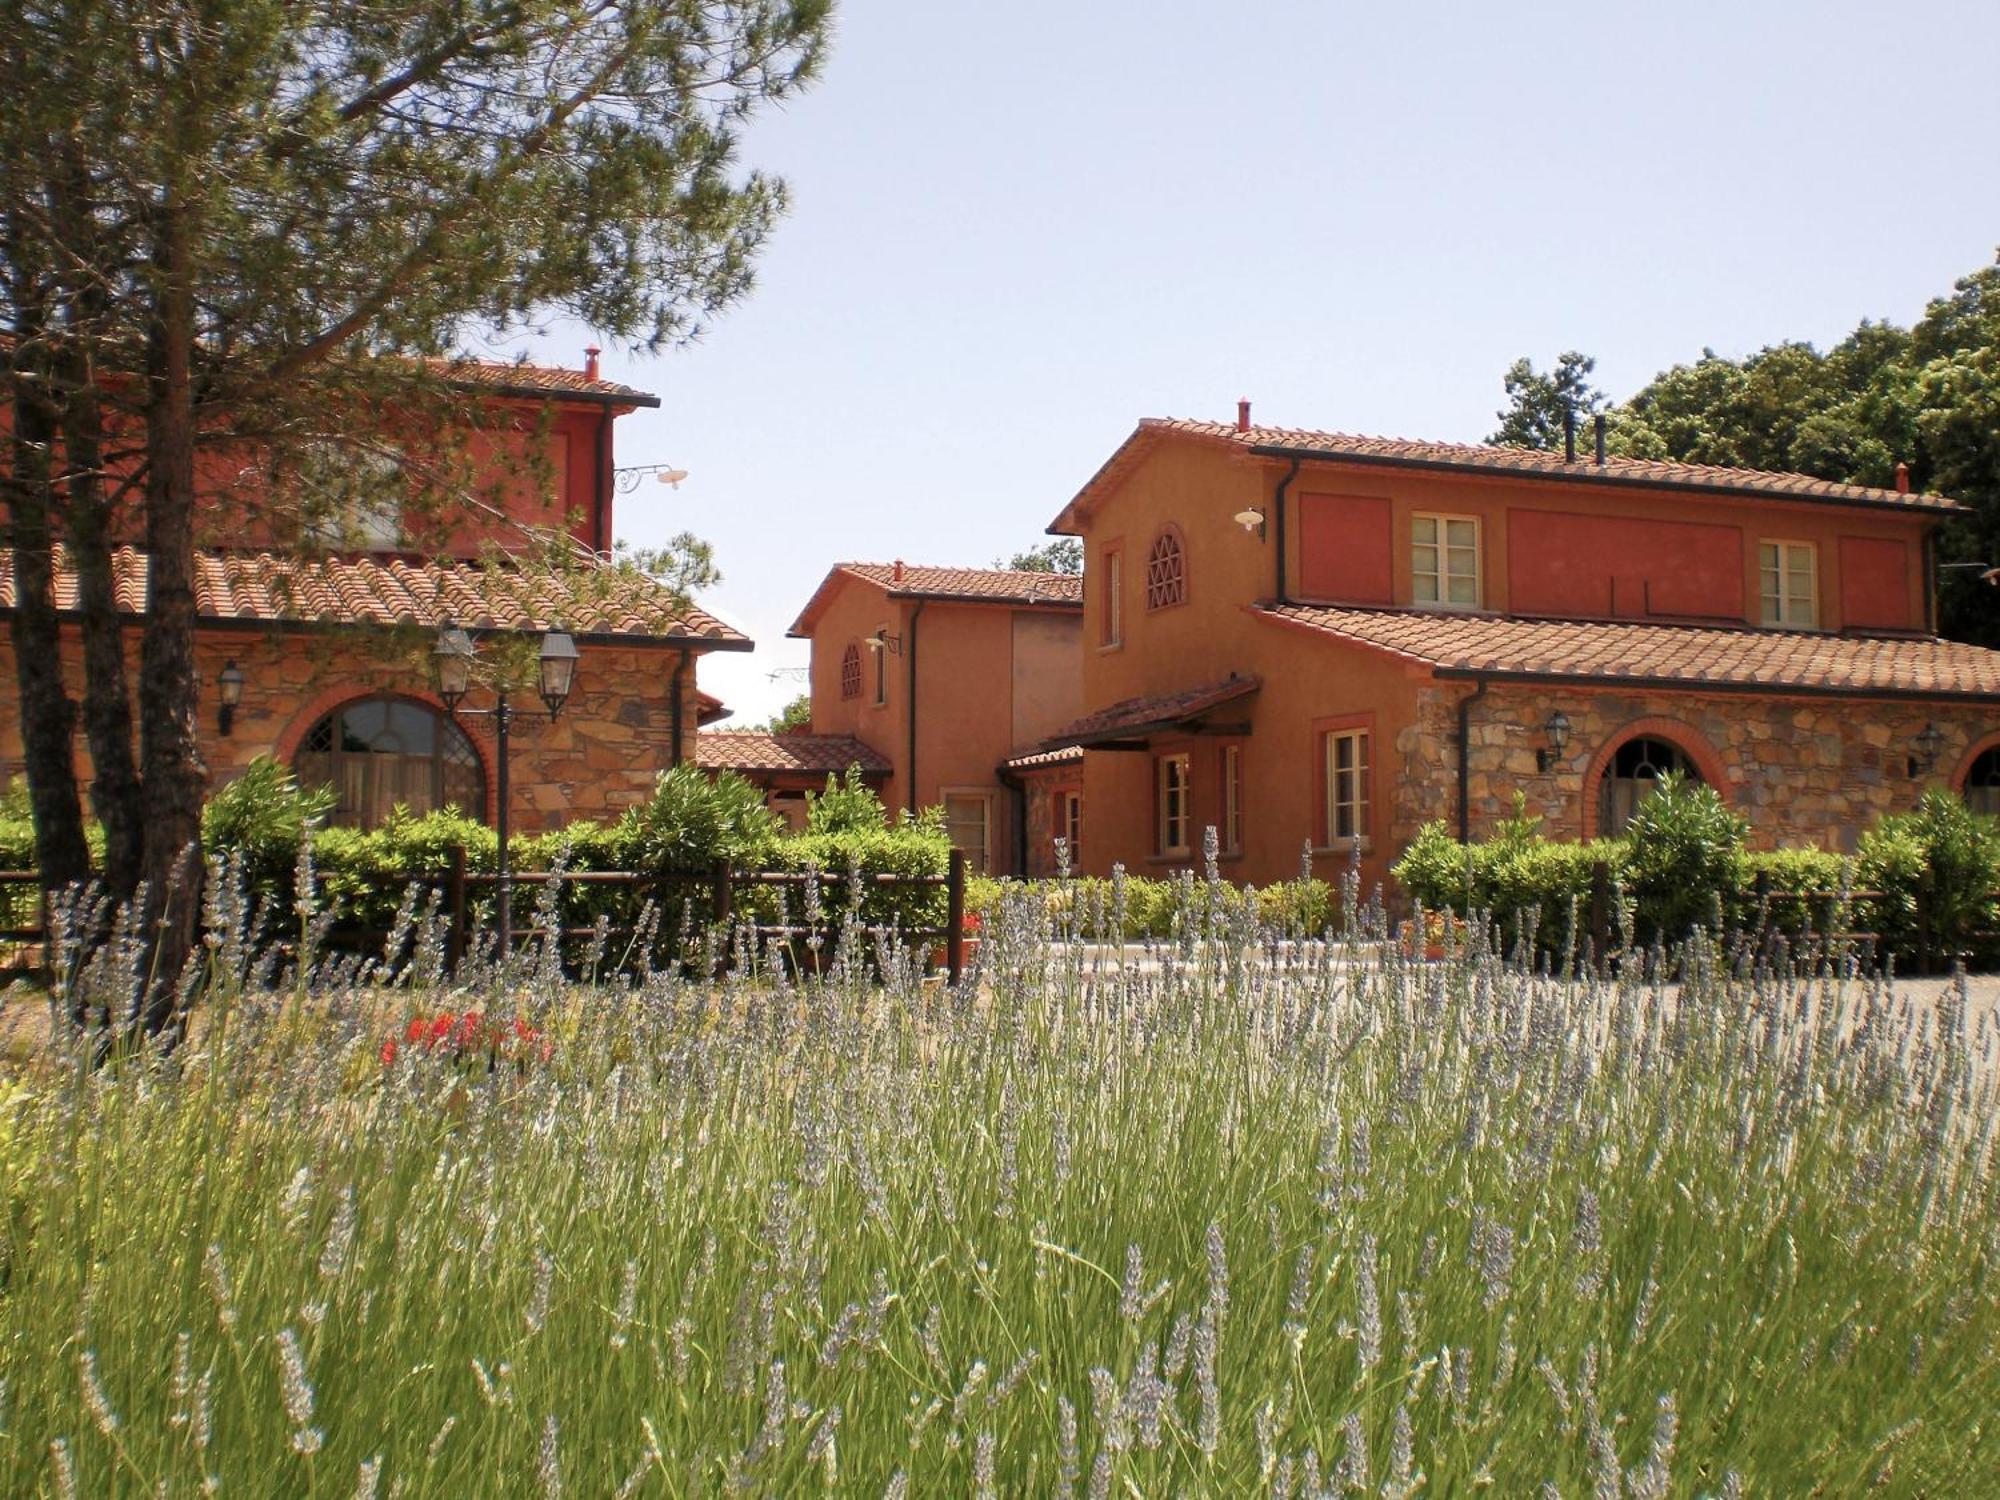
(1875,584)
(1565,564)
(1344,549)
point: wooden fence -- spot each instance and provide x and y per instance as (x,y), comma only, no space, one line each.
(713,895)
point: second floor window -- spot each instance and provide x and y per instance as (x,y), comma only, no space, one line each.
(1173,784)
(1166,571)
(1346,785)
(1111,610)
(1788,574)
(1444,561)
(850,671)
(882,668)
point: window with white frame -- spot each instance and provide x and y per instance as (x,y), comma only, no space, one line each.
(1111,609)
(1232,799)
(968,821)
(1789,574)
(1171,776)
(881,666)
(1069,824)
(1444,561)
(1346,785)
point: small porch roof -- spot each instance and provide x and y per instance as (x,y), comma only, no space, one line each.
(1134,721)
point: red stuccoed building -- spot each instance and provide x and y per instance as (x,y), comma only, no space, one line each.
(332,650)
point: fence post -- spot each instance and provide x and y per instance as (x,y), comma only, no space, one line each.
(1600,908)
(954,916)
(454,895)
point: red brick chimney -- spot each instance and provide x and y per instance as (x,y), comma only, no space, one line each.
(1243,416)
(590,362)
(899,570)
(1902,479)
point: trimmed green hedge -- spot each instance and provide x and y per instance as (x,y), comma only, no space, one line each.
(1162,909)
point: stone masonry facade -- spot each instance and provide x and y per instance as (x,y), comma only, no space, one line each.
(1812,771)
(601,756)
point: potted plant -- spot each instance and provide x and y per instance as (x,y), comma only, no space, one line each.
(1443,933)
(968,937)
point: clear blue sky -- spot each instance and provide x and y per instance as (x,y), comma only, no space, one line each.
(1019,227)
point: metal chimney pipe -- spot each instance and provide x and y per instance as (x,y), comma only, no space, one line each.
(1569,433)
(1603,422)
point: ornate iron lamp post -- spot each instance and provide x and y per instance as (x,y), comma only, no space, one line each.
(451,667)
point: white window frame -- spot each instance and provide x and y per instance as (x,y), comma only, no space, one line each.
(1173,803)
(1774,609)
(1232,799)
(1111,621)
(1442,575)
(1070,816)
(1349,804)
(979,861)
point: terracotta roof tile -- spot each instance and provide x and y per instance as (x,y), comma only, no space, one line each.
(1134,716)
(1478,457)
(1695,655)
(389,591)
(1042,760)
(967,585)
(760,750)
(505,375)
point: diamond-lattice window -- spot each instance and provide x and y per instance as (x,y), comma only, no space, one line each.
(1166,571)
(850,672)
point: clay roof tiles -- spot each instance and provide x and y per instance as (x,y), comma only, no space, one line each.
(960,585)
(512,378)
(1153,711)
(760,750)
(389,591)
(1042,760)
(1615,651)
(1481,457)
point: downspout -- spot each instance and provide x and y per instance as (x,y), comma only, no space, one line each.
(1278,519)
(675,713)
(602,530)
(910,665)
(1465,758)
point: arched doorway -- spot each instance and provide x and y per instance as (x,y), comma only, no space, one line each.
(381,753)
(1634,774)
(1981,787)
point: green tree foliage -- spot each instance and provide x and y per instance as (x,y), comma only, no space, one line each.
(1062,555)
(1537,401)
(795,717)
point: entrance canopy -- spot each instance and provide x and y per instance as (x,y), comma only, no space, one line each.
(1134,723)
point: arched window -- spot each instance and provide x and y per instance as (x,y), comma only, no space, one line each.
(1982,783)
(850,672)
(379,753)
(1633,776)
(1166,571)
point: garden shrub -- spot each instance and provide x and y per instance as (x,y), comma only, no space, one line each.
(848,805)
(259,819)
(1684,860)
(1526,883)
(1817,873)
(1942,856)
(915,845)
(693,820)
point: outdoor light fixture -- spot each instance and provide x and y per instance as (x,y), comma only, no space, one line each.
(558,668)
(451,665)
(1250,519)
(451,670)
(230,685)
(1929,742)
(881,640)
(1557,729)
(629,478)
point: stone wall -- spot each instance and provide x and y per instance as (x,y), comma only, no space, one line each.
(600,757)
(1805,771)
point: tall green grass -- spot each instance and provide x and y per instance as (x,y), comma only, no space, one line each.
(1234,1217)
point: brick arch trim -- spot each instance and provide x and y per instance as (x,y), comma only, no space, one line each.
(285,747)
(1676,732)
(1977,748)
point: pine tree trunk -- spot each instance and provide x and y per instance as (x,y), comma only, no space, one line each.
(48,717)
(107,694)
(170,756)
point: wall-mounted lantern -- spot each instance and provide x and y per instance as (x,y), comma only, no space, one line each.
(1250,519)
(881,640)
(1556,728)
(229,685)
(558,668)
(1929,743)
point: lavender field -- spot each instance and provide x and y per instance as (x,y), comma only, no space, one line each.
(1241,1217)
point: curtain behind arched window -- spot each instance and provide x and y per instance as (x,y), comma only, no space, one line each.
(379,753)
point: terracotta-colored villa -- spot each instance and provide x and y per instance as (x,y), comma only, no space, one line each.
(1308,639)
(930,679)
(330,651)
